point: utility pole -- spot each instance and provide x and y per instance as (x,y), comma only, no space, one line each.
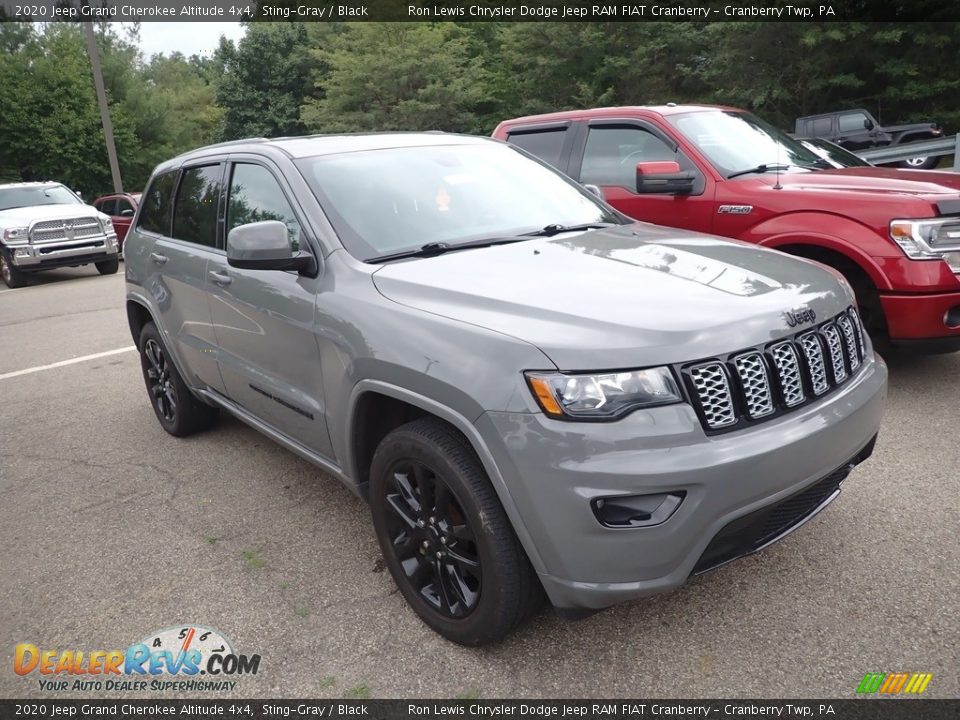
(104,108)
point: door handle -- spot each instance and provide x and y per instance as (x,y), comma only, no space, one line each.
(158,259)
(220,278)
(842,139)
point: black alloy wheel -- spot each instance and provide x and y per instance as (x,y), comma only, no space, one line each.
(180,413)
(445,536)
(159,383)
(432,539)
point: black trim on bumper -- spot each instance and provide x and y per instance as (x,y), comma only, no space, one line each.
(68,261)
(765,526)
(928,346)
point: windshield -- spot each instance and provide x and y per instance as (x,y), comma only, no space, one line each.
(396,199)
(834,154)
(30,195)
(736,142)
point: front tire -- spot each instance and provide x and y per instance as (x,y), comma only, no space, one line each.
(108,267)
(445,536)
(12,276)
(179,412)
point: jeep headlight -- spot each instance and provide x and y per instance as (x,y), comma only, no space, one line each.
(602,396)
(934,239)
(16,236)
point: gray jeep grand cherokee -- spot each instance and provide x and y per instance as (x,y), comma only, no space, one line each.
(532,392)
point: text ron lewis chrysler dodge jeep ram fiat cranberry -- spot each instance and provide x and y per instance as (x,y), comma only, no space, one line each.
(532,392)
(895,234)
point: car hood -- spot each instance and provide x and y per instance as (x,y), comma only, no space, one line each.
(875,180)
(35,213)
(630,296)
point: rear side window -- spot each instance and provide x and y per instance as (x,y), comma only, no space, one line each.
(195,209)
(822,127)
(545,144)
(155,204)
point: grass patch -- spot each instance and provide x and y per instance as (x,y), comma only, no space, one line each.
(211,540)
(468,695)
(360,692)
(301,612)
(252,560)
(327,682)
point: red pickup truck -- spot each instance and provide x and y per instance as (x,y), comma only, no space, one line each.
(894,234)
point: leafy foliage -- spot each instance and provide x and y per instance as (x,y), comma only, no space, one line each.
(292,78)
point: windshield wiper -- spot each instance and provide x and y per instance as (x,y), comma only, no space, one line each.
(432,249)
(556,228)
(766,167)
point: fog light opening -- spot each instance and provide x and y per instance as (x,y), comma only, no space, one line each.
(952,317)
(633,511)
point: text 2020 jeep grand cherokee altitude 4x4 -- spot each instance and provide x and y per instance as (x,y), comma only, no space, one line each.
(530,390)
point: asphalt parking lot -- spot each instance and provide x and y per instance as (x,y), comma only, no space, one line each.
(111,529)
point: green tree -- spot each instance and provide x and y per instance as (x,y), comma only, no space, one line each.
(398,76)
(264,81)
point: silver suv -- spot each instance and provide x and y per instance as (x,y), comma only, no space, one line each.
(44,225)
(533,392)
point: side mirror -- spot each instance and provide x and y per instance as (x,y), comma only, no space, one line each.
(266,246)
(595,190)
(868,124)
(663,177)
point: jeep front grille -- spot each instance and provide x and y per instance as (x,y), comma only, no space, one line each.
(49,231)
(713,389)
(765,382)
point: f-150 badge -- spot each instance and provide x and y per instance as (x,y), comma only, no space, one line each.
(735,209)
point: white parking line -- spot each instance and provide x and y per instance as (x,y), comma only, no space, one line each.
(72,361)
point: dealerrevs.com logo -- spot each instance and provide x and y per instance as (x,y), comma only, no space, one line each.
(187,658)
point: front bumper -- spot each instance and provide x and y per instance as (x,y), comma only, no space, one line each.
(42,257)
(554,469)
(918,318)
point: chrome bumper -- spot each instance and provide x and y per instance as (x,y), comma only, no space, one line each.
(28,256)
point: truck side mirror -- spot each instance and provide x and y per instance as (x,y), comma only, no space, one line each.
(664,178)
(868,124)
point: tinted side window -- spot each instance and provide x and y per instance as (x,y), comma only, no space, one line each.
(822,127)
(612,154)
(124,207)
(107,207)
(155,211)
(195,209)
(545,144)
(852,122)
(255,195)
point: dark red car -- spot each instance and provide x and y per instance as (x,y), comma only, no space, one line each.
(894,234)
(121,208)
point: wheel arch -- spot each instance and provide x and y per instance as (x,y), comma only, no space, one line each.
(831,251)
(377,407)
(138,315)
